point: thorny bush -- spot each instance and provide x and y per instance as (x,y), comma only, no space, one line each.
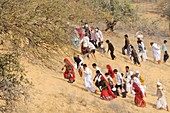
(13,84)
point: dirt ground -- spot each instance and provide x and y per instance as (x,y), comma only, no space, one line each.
(51,93)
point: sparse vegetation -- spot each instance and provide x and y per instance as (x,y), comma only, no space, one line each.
(13,84)
(165,7)
(41,30)
(120,10)
(38,28)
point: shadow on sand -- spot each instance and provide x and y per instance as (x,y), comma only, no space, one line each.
(151,104)
(73,84)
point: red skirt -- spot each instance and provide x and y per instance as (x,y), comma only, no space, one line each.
(69,75)
(139,101)
(106,95)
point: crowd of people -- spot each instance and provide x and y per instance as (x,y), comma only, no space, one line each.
(113,83)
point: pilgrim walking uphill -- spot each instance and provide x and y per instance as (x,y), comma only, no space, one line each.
(126,46)
(88,79)
(156,51)
(69,72)
(164,49)
(106,92)
(135,56)
(138,96)
(111,49)
(161,101)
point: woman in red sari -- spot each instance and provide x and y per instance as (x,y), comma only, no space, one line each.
(69,72)
(138,96)
(111,73)
(106,93)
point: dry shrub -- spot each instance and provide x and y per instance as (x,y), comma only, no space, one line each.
(13,84)
(37,28)
(41,29)
(164,5)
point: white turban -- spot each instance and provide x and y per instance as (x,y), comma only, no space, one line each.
(138,72)
(140,36)
(159,84)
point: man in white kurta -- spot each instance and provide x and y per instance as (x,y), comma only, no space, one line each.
(88,79)
(156,51)
(119,80)
(99,37)
(92,49)
(85,41)
(161,101)
(91,46)
(128,79)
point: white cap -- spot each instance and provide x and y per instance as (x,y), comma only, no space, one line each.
(137,72)
(86,25)
(159,84)
(139,36)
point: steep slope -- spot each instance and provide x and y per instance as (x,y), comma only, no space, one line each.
(52,94)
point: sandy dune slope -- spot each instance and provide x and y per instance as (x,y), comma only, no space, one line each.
(52,94)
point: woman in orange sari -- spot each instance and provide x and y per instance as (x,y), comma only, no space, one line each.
(138,96)
(69,72)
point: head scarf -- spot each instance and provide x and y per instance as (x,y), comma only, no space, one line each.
(110,71)
(78,29)
(109,67)
(67,62)
(80,32)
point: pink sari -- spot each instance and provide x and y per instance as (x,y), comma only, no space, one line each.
(80,32)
